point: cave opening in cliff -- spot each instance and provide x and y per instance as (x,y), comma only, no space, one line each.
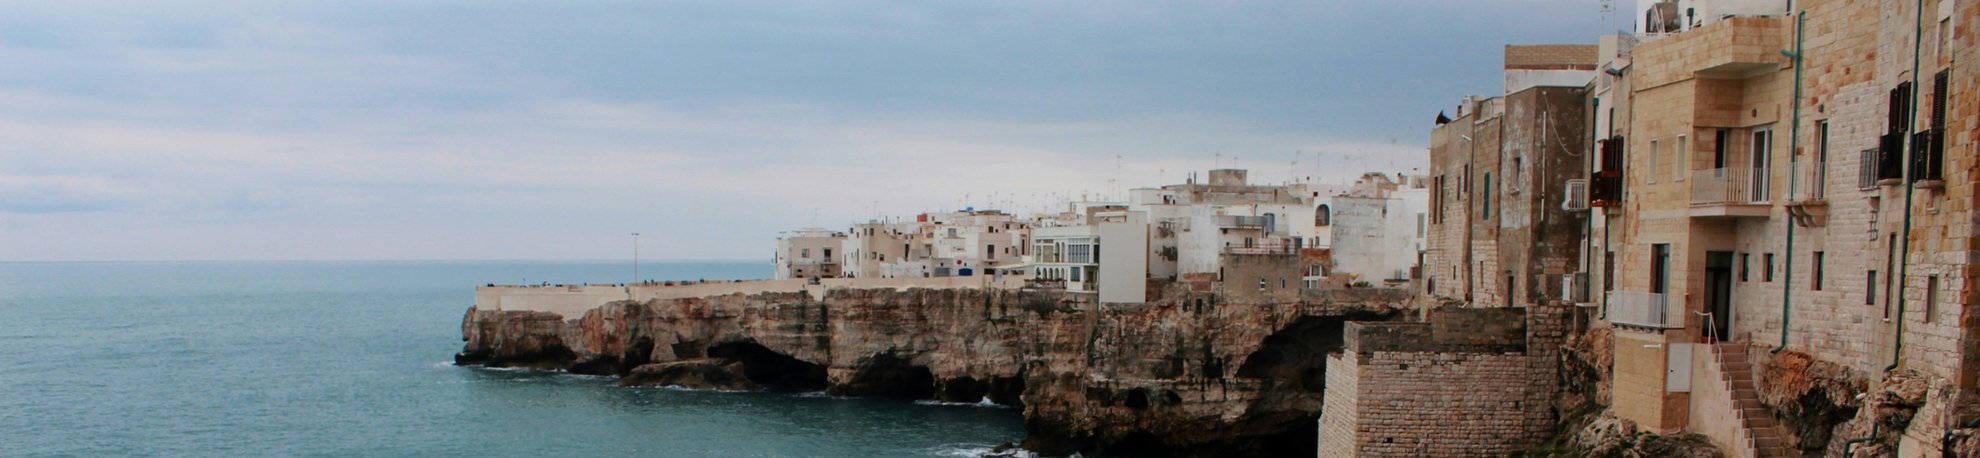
(1297,354)
(888,375)
(768,368)
(1005,391)
(1292,365)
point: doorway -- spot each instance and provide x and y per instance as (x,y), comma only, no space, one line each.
(1660,280)
(1718,294)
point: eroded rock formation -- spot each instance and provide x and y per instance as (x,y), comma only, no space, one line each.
(1190,375)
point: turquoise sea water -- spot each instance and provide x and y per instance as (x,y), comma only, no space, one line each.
(352,359)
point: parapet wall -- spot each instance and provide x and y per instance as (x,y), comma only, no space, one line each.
(1450,330)
(572,301)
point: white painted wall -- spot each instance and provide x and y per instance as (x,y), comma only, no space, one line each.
(1374,237)
(1124,259)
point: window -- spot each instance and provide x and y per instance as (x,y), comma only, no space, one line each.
(828,254)
(1682,165)
(1651,159)
(1870,288)
(992,249)
(1261,283)
(1890,256)
(1821,176)
(1608,271)
(1745,261)
(1323,215)
(1817,278)
(1768,275)
(804,253)
(1931,298)
(1485,210)
(1512,180)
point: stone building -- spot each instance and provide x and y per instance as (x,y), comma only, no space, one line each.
(1795,195)
(1771,209)
(1500,175)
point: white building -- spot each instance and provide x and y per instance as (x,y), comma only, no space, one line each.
(962,243)
(809,253)
(1379,228)
(1068,248)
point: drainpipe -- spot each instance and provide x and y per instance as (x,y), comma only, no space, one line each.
(1849,446)
(1794,148)
(1904,250)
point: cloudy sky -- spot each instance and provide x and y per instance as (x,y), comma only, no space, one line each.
(217,130)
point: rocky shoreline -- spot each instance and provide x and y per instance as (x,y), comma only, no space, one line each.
(1187,375)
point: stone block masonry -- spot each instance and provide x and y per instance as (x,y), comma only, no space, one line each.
(1462,383)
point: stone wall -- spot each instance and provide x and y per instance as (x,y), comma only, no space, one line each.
(1463,383)
(1261,278)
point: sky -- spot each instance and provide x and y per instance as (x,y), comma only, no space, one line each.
(449,129)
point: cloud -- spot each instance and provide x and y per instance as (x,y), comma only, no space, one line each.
(61,194)
(441,129)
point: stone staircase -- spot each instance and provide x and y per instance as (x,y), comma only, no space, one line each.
(1768,437)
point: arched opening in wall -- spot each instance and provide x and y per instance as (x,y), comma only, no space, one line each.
(1323,215)
(887,375)
(1291,367)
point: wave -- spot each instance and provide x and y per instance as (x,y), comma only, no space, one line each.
(982,403)
(979,451)
(693,390)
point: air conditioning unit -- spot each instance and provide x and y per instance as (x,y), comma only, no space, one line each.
(1577,196)
(1574,287)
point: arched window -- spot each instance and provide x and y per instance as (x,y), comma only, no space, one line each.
(1323,216)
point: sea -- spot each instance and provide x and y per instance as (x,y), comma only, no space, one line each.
(355,359)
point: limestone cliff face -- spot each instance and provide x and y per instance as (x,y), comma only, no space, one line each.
(1189,375)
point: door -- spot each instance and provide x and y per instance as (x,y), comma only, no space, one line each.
(1718,294)
(1660,280)
(1762,145)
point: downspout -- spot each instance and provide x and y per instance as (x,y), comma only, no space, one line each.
(1849,446)
(1904,247)
(1794,149)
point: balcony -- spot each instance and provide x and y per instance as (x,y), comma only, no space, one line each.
(1276,246)
(1730,192)
(1740,46)
(1241,221)
(1650,310)
(1808,194)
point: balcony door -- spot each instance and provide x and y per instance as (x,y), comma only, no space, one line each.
(1660,278)
(1763,142)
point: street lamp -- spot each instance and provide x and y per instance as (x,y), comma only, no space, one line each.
(635,258)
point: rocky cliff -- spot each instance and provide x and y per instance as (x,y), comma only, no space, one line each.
(1189,375)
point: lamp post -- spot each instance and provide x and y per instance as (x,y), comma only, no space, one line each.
(635,266)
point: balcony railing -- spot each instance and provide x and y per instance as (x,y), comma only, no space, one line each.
(1651,310)
(1810,181)
(1866,168)
(1728,186)
(1281,246)
(1241,221)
